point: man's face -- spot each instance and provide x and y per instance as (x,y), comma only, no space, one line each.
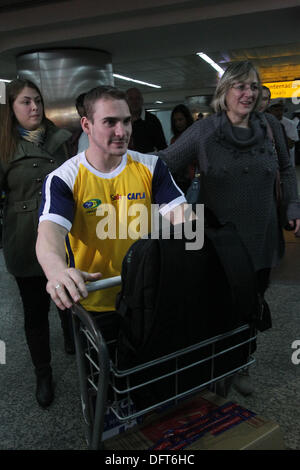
(110,131)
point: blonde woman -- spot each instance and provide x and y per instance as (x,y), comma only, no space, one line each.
(239,164)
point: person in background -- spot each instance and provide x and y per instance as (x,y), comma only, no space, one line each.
(265,99)
(264,108)
(79,141)
(296,119)
(238,166)
(181,119)
(31,147)
(276,107)
(147,132)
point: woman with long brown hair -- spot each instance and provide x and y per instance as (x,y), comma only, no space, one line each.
(31,146)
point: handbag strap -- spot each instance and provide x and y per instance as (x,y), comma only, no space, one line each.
(270,133)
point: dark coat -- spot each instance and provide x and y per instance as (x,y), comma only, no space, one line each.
(147,134)
(22,179)
(238,178)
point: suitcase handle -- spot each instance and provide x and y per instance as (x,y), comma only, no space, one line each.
(103,283)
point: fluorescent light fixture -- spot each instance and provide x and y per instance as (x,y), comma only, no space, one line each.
(158,102)
(4,80)
(210,62)
(135,81)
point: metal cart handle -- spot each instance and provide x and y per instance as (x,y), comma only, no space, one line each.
(103,283)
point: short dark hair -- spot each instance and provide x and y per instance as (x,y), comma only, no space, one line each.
(100,92)
(79,104)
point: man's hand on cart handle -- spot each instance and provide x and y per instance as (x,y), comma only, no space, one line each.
(68,286)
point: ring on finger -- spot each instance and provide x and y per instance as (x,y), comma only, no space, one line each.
(58,286)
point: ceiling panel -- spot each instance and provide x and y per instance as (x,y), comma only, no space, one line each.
(166,55)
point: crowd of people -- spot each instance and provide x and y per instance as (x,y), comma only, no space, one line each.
(49,177)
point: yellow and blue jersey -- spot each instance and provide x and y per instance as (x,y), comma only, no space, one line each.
(105,212)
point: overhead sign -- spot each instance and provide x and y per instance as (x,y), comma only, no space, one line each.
(285,90)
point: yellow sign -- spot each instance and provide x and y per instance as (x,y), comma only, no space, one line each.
(285,90)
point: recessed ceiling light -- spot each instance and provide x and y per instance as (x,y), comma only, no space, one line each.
(116,75)
(158,102)
(210,62)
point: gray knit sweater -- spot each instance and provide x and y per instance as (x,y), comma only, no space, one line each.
(238,178)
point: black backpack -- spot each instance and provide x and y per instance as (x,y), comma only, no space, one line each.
(172,298)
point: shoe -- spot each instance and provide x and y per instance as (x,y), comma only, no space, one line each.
(44,390)
(242,382)
(69,344)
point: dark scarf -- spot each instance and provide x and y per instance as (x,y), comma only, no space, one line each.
(256,124)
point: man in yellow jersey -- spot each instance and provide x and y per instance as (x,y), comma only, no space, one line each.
(97,203)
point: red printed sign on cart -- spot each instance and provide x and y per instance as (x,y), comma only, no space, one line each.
(193,421)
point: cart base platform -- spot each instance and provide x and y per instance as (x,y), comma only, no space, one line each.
(204,422)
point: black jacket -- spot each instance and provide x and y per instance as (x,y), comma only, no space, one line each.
(147,135)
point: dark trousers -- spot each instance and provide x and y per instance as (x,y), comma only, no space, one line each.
(36,305)
(263,280)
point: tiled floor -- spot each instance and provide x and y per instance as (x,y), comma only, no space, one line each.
(275,377)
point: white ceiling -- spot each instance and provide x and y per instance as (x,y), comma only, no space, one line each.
(156,40)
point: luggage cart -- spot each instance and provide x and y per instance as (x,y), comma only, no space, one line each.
(104,387)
